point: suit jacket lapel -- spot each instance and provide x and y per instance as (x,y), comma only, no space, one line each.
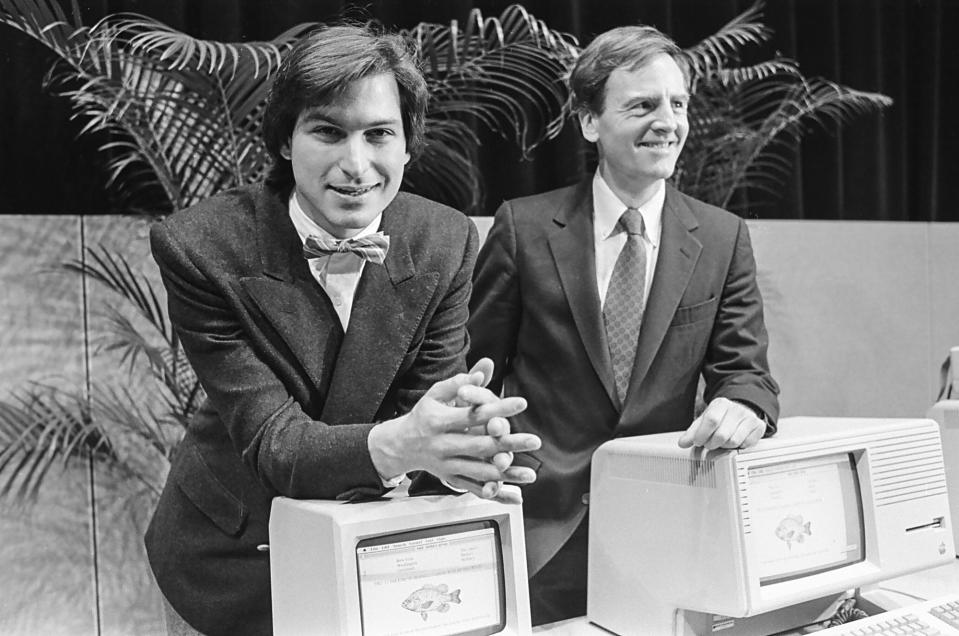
(389,303)
(574,254)
(678,253)
(286,293)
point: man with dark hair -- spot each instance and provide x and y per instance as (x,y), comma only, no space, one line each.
(325,315)
(605,302)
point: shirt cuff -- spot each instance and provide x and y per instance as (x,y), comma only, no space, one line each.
(392,482)
(453,488)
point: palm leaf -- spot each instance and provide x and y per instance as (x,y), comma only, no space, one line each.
(114,271)
(506,71)
(43,427)
(745,121)
(716,52)
(504,74)
(45,21)
(450,173)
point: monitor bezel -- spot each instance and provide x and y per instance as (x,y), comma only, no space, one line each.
(857,501)
(440,529)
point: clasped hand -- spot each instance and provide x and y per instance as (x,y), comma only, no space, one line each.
(458,432)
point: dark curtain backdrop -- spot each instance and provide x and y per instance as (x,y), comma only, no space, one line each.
(899,165)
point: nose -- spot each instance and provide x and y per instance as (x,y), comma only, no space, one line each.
(355,158)
(665,118)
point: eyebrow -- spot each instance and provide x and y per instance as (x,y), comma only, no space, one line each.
(318,114)
(636,99)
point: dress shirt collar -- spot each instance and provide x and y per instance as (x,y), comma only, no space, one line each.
(305,226)
(607,208)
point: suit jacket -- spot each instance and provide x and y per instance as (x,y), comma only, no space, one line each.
(290,397)
(536,312)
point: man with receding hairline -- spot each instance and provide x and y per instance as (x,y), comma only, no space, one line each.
(604,303)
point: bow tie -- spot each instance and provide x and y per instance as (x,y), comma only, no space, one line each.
(371,247)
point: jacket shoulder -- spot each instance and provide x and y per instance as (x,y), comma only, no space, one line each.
(552,199)
(230,211)
(706,213)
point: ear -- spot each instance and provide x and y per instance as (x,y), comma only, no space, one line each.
(407,160)
(587,125)
(285,151)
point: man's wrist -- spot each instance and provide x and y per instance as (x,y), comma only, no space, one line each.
(759,413)
(384,456)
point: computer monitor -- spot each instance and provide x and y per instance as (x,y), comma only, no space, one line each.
(946,413)
(757,541)
(432,565)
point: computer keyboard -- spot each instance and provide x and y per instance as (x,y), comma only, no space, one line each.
(947,612)
(936,617)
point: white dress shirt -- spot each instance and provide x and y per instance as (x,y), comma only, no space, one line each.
(338,274)
(609,240)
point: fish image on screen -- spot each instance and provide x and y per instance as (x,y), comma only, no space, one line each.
(431,598)
(444,580)
(792,528)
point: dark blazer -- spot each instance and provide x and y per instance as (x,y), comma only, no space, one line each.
(536,312)
(290,397)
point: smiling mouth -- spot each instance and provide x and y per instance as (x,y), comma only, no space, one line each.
(658,145)
(353,191)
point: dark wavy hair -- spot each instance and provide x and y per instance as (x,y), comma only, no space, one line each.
(628,47)
(321,66)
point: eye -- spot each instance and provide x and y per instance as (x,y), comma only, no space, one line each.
(639,108)
(326,132)
(380,134)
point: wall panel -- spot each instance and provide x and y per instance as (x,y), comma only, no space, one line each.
(47,578)
(860,316)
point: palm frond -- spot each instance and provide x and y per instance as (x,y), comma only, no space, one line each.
(450,173)
(114,271)
(506,71)
(745,120)
(179,51)
(722,48)
(44,21)
(779,114)
(43,427)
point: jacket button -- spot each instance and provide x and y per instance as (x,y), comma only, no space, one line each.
(585,499)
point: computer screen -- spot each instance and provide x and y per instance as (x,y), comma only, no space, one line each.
(761,540)
(807,516)
(427,566)
(441,580)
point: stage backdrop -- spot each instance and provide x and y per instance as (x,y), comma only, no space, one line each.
(899,166)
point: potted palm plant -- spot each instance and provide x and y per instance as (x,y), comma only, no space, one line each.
(181,117)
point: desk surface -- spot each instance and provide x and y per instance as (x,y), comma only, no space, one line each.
(925,585)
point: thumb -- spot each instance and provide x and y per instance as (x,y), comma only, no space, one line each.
(445,390)
(484,366)
(686,439)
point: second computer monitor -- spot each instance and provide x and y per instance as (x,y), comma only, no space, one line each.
(687,541)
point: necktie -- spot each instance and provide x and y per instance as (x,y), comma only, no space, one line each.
(371,247)
(623,308)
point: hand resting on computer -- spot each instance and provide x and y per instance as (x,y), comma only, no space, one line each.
(724,424)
